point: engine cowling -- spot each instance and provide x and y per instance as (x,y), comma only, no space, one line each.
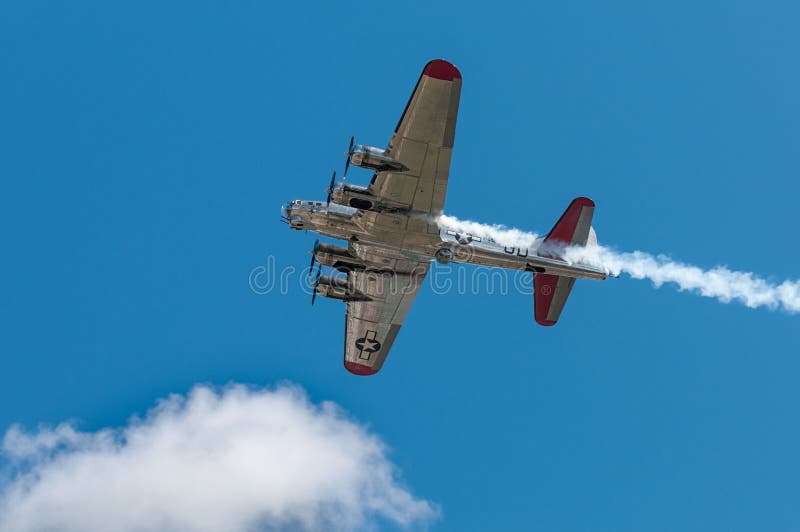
(338,257)
(375,158)
(354,196)
(338,288)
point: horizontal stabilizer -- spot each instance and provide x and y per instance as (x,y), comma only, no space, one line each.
(550,292)
(550,295)
(574,225)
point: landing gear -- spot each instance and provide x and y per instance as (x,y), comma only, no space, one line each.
(444,256)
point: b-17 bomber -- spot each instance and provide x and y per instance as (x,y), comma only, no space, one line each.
(393,232)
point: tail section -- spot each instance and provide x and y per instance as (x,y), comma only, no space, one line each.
(574,225)
(550,292)
(550,295)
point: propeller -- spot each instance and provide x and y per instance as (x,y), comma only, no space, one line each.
(313,258)
(316,285)
(349,154)
(330,188)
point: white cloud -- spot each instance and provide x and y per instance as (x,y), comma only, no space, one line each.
(240,459)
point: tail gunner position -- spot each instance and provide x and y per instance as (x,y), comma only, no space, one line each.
(393,236)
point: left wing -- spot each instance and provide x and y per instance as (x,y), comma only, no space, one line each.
(373,321)
(423,143)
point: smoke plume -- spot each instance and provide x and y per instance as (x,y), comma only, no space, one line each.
(499,233)
(719,282)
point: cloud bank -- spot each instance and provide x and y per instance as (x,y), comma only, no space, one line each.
(720,283)
(234,460)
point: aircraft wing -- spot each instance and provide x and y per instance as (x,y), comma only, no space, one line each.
(373,321)
(423,143)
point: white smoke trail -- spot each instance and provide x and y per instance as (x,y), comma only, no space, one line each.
(499,233)
(719,282)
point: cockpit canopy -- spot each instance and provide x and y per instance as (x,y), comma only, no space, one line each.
(300,205)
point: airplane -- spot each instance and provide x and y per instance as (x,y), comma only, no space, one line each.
(393,234)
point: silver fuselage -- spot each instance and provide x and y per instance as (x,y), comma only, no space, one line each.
(403,235)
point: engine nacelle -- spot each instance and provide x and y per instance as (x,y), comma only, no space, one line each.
(354,196)
(337,288)
(375,158)
(338,257)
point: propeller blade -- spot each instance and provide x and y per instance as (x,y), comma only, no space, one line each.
(349,155)
(316,285)
(313,258)
(330,187)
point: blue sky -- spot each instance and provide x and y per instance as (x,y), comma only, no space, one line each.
(145,151)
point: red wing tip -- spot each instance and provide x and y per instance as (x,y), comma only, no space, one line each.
(584,201)
(546,323)
(359,369)
(441,69)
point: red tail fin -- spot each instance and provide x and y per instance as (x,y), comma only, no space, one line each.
(550,291)
(573,226)
(549,296)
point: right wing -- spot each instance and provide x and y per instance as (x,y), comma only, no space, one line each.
(423,143)
(375,317)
